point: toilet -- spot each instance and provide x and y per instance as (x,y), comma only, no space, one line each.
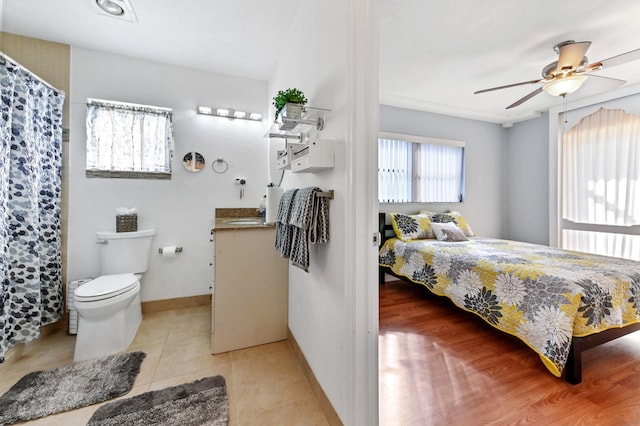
(108,307)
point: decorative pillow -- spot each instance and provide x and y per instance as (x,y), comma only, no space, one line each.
(452,216)
(411,227)
(448,232)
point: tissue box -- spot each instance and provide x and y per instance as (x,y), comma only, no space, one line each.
(126,223)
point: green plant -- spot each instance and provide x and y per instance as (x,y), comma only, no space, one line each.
(294,96)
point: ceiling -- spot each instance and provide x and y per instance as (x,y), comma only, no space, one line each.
(433,54)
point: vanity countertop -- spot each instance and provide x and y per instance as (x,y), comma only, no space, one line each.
(239,218)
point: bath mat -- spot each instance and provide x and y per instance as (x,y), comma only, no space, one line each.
(42,393)
(203,402)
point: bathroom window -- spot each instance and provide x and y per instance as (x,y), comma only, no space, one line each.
(128,140)
(413,169)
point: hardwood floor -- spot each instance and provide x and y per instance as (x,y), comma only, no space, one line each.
(440,365)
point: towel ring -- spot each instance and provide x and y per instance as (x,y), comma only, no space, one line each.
(221,169)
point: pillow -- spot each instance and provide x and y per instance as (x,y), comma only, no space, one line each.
(462,224)
(448,232)
(452,216)
(411,227)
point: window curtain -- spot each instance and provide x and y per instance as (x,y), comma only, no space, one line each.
(437,173)
(128,137)
(394,171)
(30,185)
(600,188)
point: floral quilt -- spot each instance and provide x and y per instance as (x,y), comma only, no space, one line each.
(542,295)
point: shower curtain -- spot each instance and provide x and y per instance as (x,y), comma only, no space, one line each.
(30,179)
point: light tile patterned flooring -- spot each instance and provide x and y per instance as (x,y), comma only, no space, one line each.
(266,385)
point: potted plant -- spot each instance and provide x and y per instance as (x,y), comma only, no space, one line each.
(289,96)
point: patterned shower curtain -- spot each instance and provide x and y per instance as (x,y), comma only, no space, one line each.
(30,178)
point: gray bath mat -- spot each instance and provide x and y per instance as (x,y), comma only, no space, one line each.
(42,393)
(203,402)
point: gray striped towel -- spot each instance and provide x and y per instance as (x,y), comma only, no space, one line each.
(310,219)
(284,231)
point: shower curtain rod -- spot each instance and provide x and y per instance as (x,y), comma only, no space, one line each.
(36,76)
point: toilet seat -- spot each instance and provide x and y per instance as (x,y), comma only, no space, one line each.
(105,287)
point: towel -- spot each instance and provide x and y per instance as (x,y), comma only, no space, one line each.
(319,230)
(284,231)
(310,221)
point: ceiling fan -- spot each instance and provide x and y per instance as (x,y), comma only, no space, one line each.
(571,70)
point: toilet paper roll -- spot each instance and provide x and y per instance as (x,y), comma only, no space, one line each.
(169,251)
(271,204)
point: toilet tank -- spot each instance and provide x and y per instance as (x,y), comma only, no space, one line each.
(123,252)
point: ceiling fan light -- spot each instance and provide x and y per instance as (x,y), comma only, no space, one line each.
(564,86)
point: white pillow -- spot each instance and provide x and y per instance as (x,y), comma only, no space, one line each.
(448,232)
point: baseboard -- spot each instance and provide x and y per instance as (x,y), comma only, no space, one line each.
(15,352)
(321,397)
(177,303)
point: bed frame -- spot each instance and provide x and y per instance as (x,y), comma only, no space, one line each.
(573,367)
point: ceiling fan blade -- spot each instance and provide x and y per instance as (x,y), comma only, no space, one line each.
(526,98)
(601,84)
(571,55)
(632,55)
(507,86)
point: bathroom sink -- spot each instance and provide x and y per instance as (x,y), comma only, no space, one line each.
(244,222)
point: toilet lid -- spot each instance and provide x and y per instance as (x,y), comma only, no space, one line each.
(106,286)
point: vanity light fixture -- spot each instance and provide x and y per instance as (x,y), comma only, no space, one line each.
(229,113)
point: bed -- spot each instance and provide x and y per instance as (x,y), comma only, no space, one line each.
(558,302)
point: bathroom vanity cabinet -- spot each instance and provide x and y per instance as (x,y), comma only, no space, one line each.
(250,291)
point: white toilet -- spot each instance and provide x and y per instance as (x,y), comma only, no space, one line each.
(108,307)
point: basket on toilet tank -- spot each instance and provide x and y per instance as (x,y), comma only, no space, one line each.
(126,223)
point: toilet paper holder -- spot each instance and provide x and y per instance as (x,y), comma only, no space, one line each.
(178,250)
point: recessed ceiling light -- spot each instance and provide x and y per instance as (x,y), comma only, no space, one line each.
(110,7)
(120,9)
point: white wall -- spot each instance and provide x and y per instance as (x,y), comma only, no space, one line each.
(181,209)
(527,201)
(483,204)
(316,58)
(313,61)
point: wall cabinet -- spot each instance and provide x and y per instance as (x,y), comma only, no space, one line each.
(313,157)
(250,294)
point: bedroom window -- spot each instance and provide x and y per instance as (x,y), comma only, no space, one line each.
(601,185)
(128,140)
(413,169)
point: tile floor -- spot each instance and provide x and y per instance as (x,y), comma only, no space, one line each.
(266,385)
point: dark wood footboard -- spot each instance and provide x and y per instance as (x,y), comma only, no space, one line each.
(573,368)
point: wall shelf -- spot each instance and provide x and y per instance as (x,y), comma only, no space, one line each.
(294,121)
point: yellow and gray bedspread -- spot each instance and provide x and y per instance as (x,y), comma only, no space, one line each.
(542,295)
